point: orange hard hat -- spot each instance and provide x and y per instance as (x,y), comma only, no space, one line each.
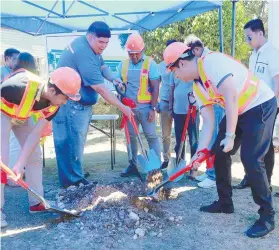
(68,81)
(134,43)
(175,51)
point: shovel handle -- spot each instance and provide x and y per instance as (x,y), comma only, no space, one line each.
(138,135)
(9,172)
(202,156)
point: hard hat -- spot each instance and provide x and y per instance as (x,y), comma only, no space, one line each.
(68,81)
(134,43)
(175,51)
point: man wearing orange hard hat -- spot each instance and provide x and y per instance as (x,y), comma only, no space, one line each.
(24,94)
(250,108)
(141,74)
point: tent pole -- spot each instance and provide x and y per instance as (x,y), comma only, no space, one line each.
(221,36)
(233,27)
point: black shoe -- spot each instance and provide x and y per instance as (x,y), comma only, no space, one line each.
(130,171)
(260,228)
(83,181)
(164,165)
(218,207)
(243,184)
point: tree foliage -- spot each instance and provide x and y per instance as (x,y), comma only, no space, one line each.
(206,27)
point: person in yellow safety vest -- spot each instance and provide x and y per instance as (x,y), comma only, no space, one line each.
(24,94)
(250,113)
(141,74)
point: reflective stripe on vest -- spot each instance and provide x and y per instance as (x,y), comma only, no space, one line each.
(24,110)
(208,95)
(144,96)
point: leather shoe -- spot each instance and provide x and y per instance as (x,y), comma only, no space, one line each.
(260,228)
(131,170)
(218,207)
(243,184)
(164,165)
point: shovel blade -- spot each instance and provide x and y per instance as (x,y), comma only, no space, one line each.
(153,161)
(173,168)
(142,163)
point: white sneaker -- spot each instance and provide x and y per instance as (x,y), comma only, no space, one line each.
(207,183)
(201,177)
(3,220)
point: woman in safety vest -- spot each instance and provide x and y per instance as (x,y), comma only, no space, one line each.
(23,94)
(250,113)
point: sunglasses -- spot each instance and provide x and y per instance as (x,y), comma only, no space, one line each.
(249,39)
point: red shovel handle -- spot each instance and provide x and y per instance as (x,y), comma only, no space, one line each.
(13,176)
(202,156)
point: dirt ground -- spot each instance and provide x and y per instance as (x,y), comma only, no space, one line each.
(114,219)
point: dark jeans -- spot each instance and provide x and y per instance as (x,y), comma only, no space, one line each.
(193,133)
(269,158)
(253,133)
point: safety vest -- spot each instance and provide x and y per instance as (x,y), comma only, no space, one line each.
(208,93)
(32,93)
(144,96)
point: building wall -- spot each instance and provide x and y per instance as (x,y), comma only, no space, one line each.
(24,43)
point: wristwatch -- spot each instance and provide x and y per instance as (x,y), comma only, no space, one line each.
(230,135)
(153,108)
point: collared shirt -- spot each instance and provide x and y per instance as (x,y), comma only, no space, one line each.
(227,66)
(134,71)
(5,71)
(180,95)
(264,63)
(205,51)
(81,57)
(165,81)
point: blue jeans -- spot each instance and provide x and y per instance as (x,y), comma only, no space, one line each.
(219,113)
(70,127)
(193,133)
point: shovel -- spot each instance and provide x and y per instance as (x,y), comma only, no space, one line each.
(202,155)
(149,160)
(124,125)
(47,205)
(180,163)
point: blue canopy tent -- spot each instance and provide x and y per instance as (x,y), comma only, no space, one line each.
(43,17)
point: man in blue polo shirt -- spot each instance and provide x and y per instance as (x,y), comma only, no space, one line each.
(70,126)
(140,72)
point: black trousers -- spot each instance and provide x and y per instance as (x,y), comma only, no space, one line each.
(269,158)
(253,133)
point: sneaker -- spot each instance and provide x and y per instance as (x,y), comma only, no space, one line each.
(164,165)
(260,228)
(201,177)
(207,183)
(38,208)
(3,220)
(218,207)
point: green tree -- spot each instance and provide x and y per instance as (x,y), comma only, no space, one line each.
(205,26)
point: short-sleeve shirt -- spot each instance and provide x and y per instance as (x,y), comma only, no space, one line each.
(180,95)
(13,92)
(134,71)
(81,57)
(226,67)
(165,81)
(264,63)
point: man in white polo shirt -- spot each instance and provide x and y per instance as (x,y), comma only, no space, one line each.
(263,63)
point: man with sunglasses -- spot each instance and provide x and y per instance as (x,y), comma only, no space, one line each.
(141,74)
(264,64)
(250,107)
